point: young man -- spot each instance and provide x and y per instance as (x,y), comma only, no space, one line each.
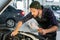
(44,17)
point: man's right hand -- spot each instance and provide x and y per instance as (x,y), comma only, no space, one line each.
(14,33)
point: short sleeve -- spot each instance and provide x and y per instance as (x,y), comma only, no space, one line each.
(52,18)
(26,18)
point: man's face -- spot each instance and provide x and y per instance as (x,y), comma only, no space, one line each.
(34,11)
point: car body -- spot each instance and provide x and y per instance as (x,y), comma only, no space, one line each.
(10,16)
(55,9)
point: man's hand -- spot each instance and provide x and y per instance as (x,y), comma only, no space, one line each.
(45,31)
(42,31)
(14,33)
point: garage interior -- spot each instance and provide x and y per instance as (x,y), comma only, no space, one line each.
(24,5)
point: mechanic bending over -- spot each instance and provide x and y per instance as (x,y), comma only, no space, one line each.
(44,17)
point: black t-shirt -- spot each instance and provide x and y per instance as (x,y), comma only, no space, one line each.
(46,21)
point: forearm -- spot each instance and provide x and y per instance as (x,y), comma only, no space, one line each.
(52,29)
(19,24)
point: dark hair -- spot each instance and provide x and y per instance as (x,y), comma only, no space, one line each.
(35,4)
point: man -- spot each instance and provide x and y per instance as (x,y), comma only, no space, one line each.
(46,19)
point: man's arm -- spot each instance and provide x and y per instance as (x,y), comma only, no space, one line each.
(15,32)
(19,24)
(50,30)
(52,21)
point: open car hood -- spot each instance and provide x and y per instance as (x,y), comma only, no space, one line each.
(4,4)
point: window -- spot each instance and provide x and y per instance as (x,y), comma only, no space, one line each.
(49,0)
(56,0)
(18,0)
(20,5)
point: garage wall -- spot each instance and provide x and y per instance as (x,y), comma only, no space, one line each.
(26,6)
(13,3)
(44,2)
(50,3)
